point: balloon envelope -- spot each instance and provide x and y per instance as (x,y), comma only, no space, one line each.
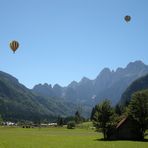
(127,18)
(14,45)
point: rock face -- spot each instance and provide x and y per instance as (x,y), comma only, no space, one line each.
(44,90)
(108,84)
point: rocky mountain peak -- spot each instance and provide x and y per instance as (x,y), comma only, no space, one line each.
(105,72)
(73,84)
(136,64)
(84,80)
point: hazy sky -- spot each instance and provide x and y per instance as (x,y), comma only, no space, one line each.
(64,40)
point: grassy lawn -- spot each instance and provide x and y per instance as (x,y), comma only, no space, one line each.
(59,138)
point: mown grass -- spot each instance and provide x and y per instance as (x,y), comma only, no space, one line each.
(59,138)
(85,125)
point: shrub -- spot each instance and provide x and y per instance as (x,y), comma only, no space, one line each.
(71,125)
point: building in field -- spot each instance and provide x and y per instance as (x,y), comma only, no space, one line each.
(126,129)
(8,123)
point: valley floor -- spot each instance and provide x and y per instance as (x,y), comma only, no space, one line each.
(59,138)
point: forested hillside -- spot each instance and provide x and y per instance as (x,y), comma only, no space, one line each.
(18,103)
(137,85)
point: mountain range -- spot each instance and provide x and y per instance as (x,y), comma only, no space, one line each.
(46,102)
(108,84)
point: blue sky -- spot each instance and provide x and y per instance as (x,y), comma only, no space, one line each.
(64,40)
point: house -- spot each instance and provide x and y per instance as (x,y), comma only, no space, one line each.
(126,129)
(8,123)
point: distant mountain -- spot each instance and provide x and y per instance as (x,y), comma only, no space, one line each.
(46,102)
(19,103)
(137,85)
(108,84)
(44,90)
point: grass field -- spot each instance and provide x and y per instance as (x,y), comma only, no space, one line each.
(59,138)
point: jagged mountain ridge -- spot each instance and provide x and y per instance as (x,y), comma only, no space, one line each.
(108,84)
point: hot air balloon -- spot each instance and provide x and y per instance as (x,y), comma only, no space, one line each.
(127,18)
(14,45)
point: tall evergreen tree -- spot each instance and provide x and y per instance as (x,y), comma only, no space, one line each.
(138,109)
(92,113)
(1,120)
(78,118)
(118,109)
(60,121)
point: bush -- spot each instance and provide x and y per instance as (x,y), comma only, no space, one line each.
(71,125)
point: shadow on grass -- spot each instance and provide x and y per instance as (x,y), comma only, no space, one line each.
(145,140)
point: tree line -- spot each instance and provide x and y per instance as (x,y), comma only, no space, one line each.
(71,121)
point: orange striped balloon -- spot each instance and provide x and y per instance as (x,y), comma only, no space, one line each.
(14,45)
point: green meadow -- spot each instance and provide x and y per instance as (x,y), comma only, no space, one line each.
(13,137)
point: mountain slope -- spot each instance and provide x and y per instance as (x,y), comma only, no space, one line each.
(19,103)
(137,85)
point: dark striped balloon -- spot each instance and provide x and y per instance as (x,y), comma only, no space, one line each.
(14,45)
(127,18)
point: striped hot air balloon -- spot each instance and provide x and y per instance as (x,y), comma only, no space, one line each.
(14,45)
